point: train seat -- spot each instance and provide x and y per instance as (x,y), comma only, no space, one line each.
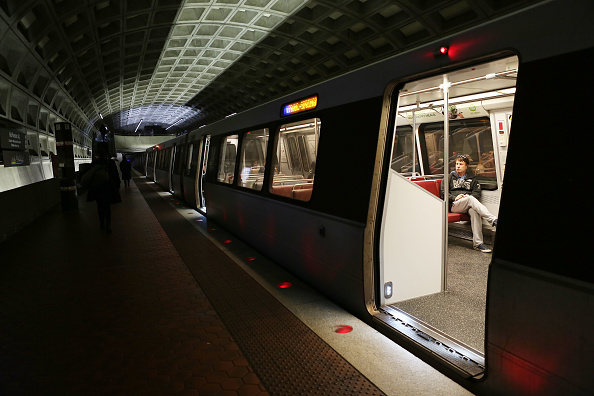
(430,185)
(285,191)
(307,186)
(303,194)
(453,217)
(433,186)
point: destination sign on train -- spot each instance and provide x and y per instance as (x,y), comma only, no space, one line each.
(299,106)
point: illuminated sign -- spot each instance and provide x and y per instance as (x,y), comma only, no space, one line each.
(12,140)
(299,106)
(15,158)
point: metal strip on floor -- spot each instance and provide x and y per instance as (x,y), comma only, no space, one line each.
(287,356)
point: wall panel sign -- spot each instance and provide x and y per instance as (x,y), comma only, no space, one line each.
(12,140)
(15,158)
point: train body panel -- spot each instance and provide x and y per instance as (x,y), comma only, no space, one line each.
(324,250)
(189,191)
(537,289)
(527,353)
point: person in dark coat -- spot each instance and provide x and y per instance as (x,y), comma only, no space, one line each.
(104,189)
(126,170)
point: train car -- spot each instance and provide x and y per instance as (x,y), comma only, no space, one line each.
(340,184)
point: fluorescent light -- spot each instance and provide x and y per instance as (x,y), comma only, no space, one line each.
(137,126)
(174,123)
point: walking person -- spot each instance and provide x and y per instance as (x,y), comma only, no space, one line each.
(126,170)
(103,181)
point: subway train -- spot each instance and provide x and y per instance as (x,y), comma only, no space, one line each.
(340,184)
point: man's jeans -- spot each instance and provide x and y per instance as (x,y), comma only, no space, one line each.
(476,211)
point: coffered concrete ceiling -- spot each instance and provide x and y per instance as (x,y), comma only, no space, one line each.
(132,64)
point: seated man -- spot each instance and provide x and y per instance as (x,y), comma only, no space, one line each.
(464,194)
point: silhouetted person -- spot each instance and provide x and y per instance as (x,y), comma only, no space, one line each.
(104,188)
(126,170)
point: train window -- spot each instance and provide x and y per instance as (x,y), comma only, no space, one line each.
(161,159)
(470,137)
(252,159)
(189,159)
(226,172)
(295,159)
(178,154)
(402,152)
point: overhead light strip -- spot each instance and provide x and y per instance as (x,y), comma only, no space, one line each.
(138,126)
(176,122)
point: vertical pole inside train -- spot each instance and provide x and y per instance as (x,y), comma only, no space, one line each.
(446,170)
(414,145)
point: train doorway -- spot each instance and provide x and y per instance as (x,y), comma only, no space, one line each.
(201,173)
(430,274)
(171,170)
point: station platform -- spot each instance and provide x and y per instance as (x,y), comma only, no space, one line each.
(169,303)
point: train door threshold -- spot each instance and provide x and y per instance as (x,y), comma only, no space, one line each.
(468,362)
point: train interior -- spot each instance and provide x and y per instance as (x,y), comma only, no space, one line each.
(429,273)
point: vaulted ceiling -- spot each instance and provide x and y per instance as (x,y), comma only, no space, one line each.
(132,64)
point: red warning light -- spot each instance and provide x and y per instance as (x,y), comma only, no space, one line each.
(343,329)
(227,241)
(284,285)
(441,51)
(250,258)
(158,147)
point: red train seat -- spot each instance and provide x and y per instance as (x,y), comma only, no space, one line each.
(433,186)
(303,194)
(285,191)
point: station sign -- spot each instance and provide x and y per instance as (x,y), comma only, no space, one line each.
(12,140)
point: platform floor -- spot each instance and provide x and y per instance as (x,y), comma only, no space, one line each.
(169,303)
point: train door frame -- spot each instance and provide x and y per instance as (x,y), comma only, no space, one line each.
(181,157)
(375,287)
(171,168)
(201,172)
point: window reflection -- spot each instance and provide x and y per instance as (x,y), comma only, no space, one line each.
(253,159)
(295,159)
(226,171)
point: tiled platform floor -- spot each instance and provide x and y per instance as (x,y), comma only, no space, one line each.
(83,312)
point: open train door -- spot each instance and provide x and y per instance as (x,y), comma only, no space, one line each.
(201,172)
(430,276)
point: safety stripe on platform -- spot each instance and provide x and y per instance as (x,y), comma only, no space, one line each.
(287,356)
